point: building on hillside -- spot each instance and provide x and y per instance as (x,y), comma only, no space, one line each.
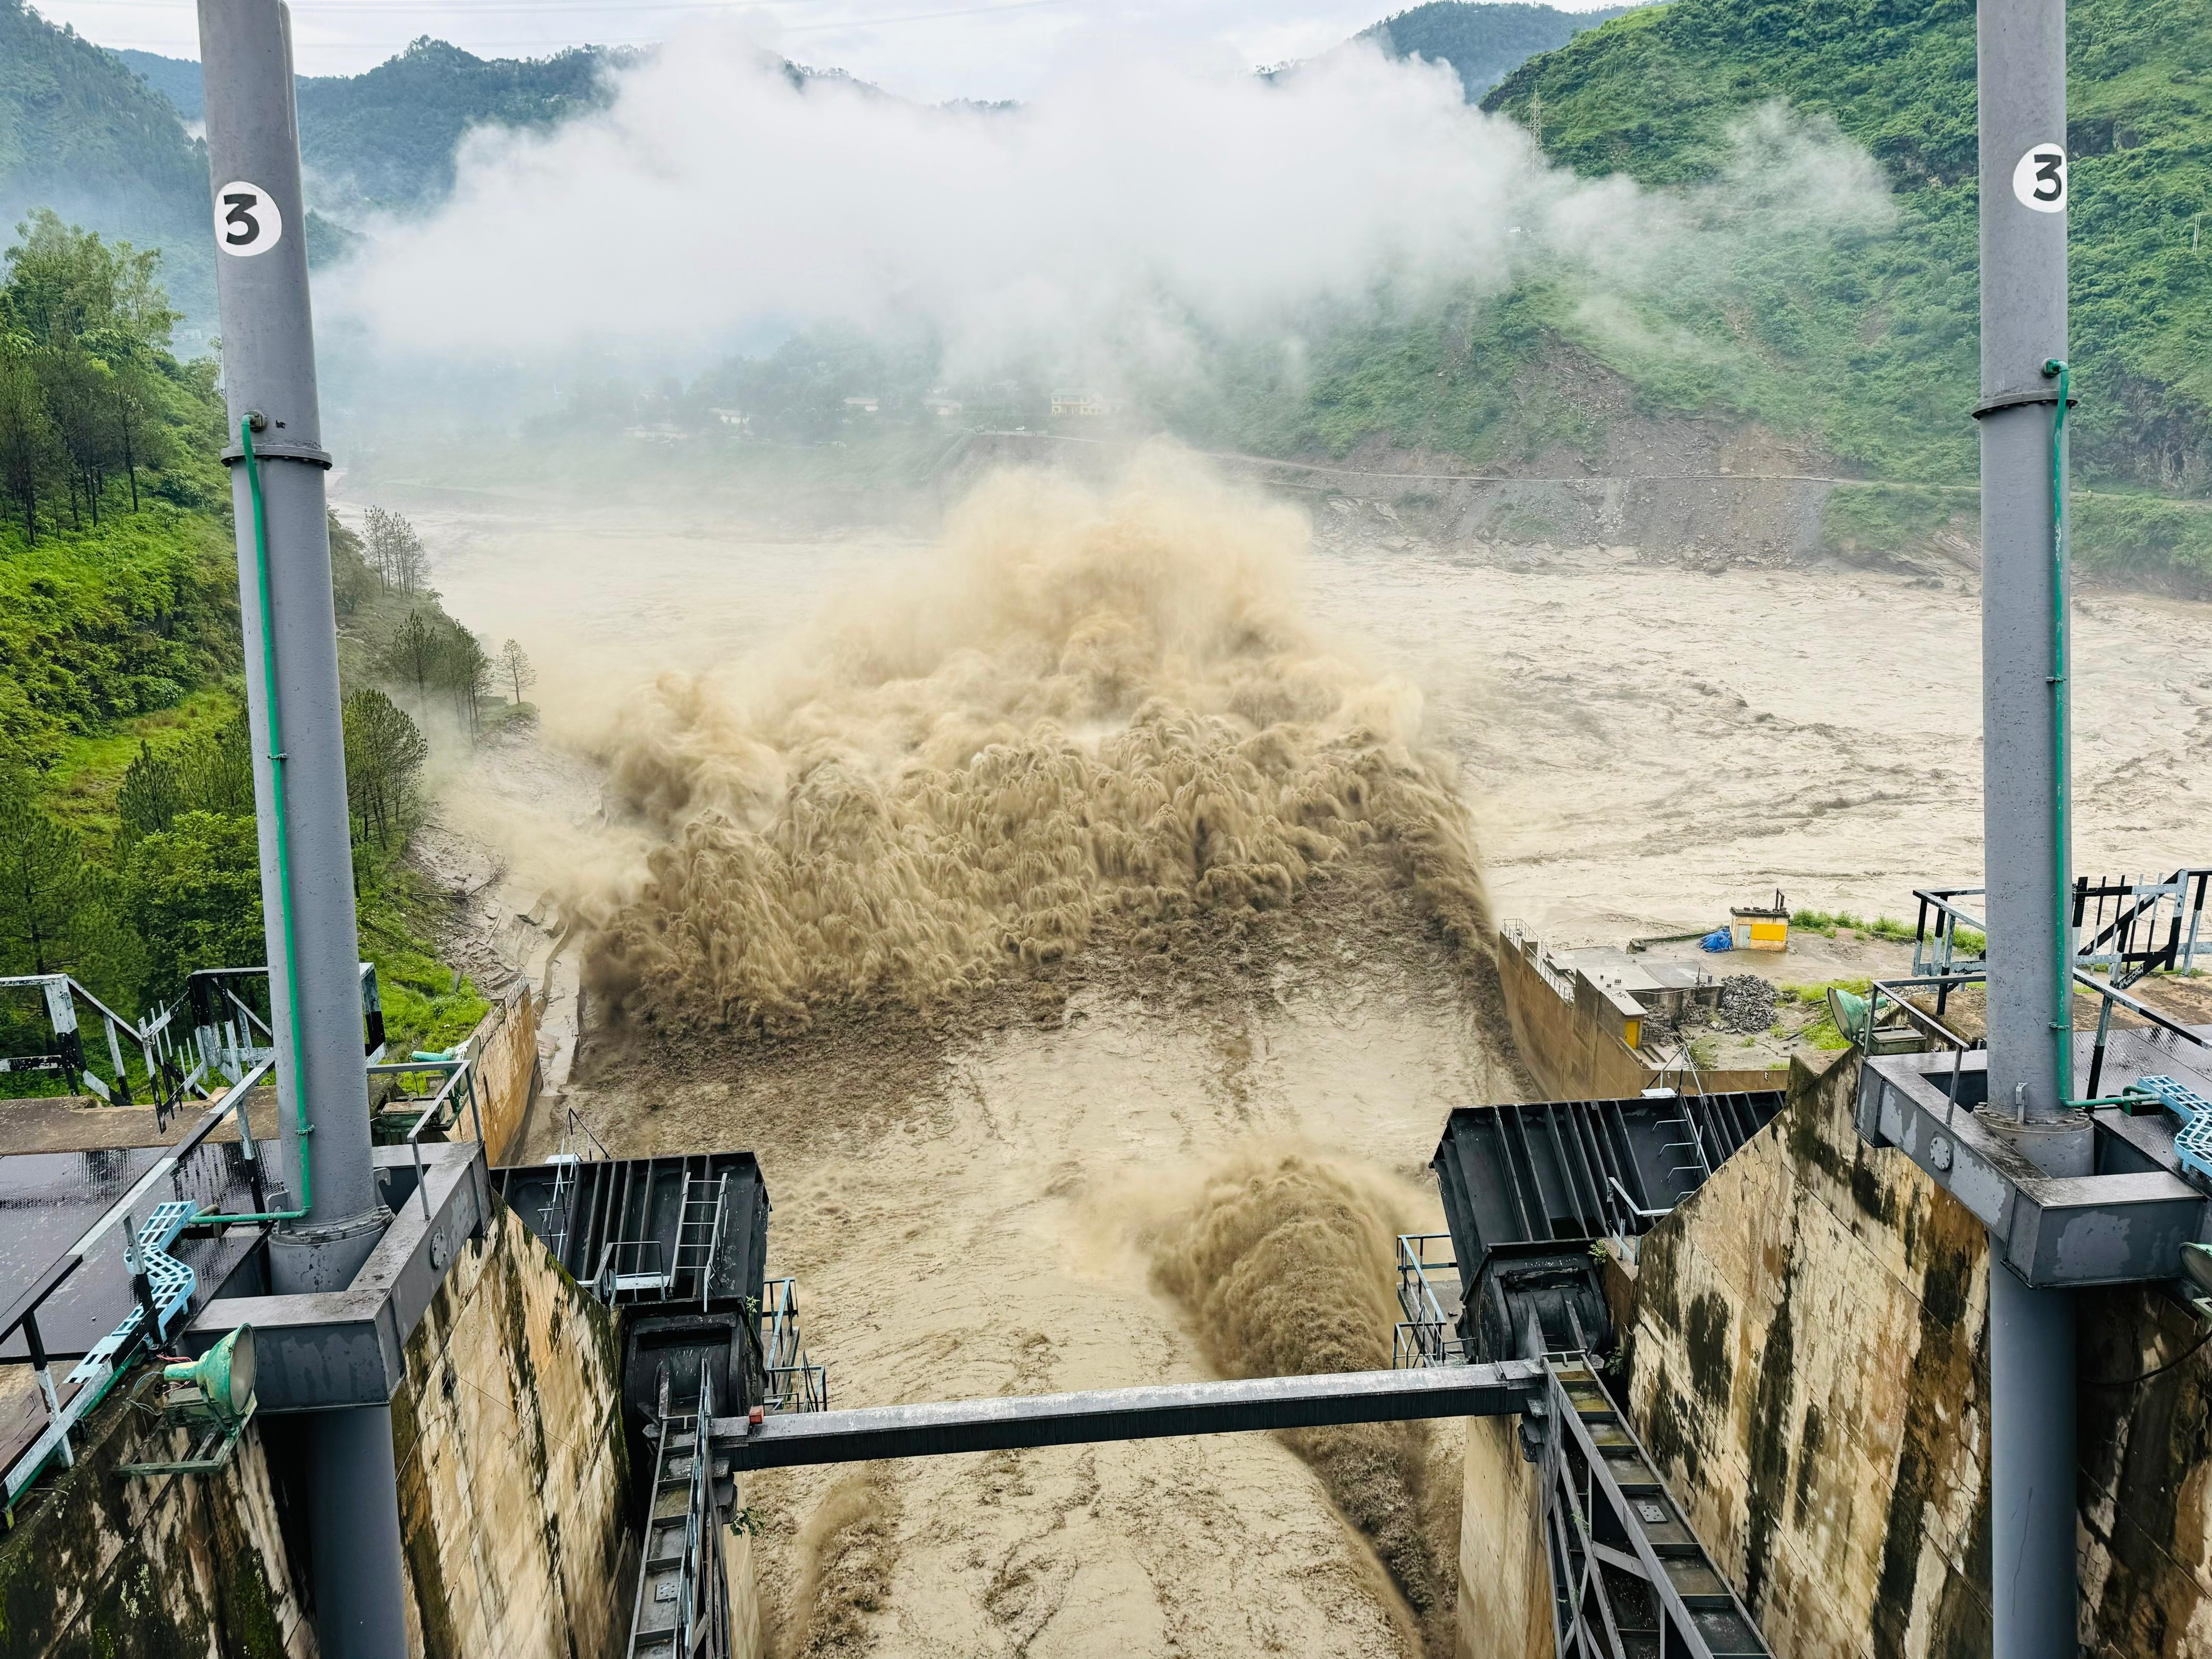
(1079,403)
(945,409)
(736,419)
(866,403)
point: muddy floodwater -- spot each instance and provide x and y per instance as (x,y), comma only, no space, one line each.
(1009,1198)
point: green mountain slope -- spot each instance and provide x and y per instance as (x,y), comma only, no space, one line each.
(177,79)
(1654,94)
(1851,341)
(1484,42)
(389,135)
(82,134)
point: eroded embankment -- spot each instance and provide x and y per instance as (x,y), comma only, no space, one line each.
(1082,708)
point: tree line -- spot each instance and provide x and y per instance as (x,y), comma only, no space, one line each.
(91,401)
(178,887)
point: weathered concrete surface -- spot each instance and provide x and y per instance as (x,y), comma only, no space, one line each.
(1504,1609)
(505,1044)
(1809,1367)
(101,1563)
(2146,1452)
(1570,1056)
(514,1476)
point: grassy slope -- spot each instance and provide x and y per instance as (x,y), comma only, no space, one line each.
(186,561)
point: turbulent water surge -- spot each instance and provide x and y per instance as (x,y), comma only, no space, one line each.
(1080,709)
(1149,1128)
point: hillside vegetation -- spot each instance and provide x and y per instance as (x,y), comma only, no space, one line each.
(127,841)
(1853,343)
(1484,43)
(1891,329)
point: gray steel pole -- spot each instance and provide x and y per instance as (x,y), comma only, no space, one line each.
(2023,254)
(2022,76)
(269,372)
(268,369)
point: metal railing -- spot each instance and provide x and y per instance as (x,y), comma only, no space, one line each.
(1533,952)
(441,1110)
(2117,920)
(210,1031)
(1425,1335)
(1895,992)
(163,1294)
(792,1383)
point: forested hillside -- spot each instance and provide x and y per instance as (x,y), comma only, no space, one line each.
(127,849)
(387,137)
(1891,329)
(80,134)
(1484,43)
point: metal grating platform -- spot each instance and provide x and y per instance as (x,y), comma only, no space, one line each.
(689,1230)
(1528,1188)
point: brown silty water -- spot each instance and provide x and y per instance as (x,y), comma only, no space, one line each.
(1091,946)
(973,1187)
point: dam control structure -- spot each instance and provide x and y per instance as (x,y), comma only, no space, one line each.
(363,1270)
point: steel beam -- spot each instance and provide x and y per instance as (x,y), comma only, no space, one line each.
(336,1350)
(2054,1232)
(1020,1422)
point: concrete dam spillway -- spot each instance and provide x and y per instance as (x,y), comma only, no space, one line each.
(1185,1146)
(1016,1124)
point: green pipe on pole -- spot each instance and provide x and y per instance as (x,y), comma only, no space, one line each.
(283,848)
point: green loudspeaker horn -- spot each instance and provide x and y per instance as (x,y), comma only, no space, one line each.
(223,1376)
(1849,1014)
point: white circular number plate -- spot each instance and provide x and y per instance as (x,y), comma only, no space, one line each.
(247,220)
(2039,180)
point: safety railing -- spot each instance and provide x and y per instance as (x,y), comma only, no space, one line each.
(456,1093)
(793,1384)
(1897,994)
(1425,1335)
(209,1032)
(161,1291)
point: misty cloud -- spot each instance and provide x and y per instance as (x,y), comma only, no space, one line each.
(1144,199)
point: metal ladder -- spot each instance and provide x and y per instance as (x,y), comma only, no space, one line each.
(682,1607)
(1629,1578)
(698,1230)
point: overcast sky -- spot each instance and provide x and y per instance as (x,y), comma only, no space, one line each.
(920,48)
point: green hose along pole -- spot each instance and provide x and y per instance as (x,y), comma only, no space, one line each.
(284,848)
(2061,699)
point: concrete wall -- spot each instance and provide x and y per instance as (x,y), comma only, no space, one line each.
(505,1044)
(1503,1608)
(1810,1369)
(1572,1055)
(101,1563)
(513,1475)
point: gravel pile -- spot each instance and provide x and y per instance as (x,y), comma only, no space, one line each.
(1746,1003)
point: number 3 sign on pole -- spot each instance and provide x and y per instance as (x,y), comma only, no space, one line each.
(2039,180)
(246,221)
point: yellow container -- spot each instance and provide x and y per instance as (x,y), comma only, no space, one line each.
(1760,930)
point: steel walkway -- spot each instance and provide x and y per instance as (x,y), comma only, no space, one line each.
(1629,1578)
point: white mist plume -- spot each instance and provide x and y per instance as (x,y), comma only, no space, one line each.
(717,202)
(714,195)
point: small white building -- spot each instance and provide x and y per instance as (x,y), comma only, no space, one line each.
(733,417)
(866,403)
(944,408)
(1079,402)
